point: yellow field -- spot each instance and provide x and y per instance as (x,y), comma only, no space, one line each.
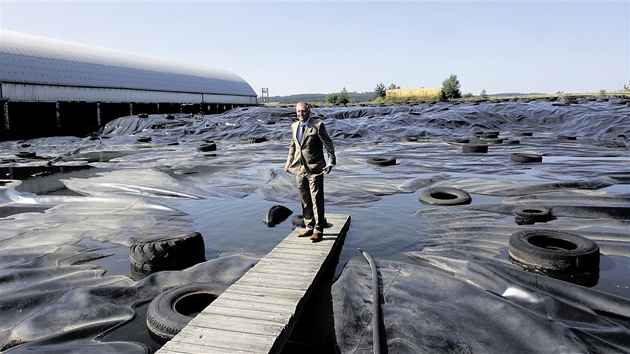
(413,94)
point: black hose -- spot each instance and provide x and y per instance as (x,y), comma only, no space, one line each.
(376,305)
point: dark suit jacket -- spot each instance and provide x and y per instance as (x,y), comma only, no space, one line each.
(307,156)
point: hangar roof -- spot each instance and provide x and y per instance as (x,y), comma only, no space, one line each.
(30,59)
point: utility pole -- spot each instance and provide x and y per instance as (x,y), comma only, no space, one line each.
(265,95)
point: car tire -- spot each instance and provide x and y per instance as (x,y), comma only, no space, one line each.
(276,214)
(525,158)
(444,196)
(474,148)
(173,253)
(553,251)
(171,310)
(381,161)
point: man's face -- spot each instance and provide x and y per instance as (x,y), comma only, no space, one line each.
(302,112)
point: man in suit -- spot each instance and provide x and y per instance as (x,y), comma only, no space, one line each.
(306,160)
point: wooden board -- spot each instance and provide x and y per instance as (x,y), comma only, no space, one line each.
(258,312)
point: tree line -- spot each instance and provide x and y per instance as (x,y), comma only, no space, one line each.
(450,91)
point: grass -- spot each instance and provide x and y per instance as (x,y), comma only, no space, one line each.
(407,99)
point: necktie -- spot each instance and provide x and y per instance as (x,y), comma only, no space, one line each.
(301,131)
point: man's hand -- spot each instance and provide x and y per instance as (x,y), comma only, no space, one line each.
(286,168)
(327,169)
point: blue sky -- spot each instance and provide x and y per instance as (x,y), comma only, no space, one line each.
(296,47)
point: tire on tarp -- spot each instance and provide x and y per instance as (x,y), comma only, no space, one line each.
(474,148)
(171,311)
(525,158)
(532,215)
(26,154)
(511,142)
(275,215)
(553,250)
(493,141)
(490,135)
(486,134)
(256,140)
(444,196)
(205,147)
(525,133)
(173,253)
(381,161)
(298,221)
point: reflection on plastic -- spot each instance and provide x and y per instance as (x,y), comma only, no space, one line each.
(520,294)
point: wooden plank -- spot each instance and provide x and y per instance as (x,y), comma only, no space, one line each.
(308,257)
(286,261)
(267,307)
(249,313)
(294,239)
(257,313)
(224,339)
(188,348)
(287,298)
(261,300)
(299,250)
(291,263)
(220,319)
(244,325)
(299,283)
(276,279)
(244,288)
(288,268)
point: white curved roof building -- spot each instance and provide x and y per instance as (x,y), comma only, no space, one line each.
(40,69)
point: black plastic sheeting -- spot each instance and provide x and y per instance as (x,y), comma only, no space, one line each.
(70,211)
(61,310)
(449,304)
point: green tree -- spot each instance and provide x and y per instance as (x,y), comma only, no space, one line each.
(343,97)
(483,94)
(332,98)
(393,87)
(338,98)
(450,89)
(379,90)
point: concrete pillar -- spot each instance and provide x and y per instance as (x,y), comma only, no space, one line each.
(6,115)
(58,114)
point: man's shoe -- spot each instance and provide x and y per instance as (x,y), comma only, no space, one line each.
(316,237)
(305,233)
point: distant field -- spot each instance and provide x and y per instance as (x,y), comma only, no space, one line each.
(365,97)
(320,97)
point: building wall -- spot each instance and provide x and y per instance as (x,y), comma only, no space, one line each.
(71,87)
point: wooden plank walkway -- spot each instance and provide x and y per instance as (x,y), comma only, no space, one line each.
(258,312)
